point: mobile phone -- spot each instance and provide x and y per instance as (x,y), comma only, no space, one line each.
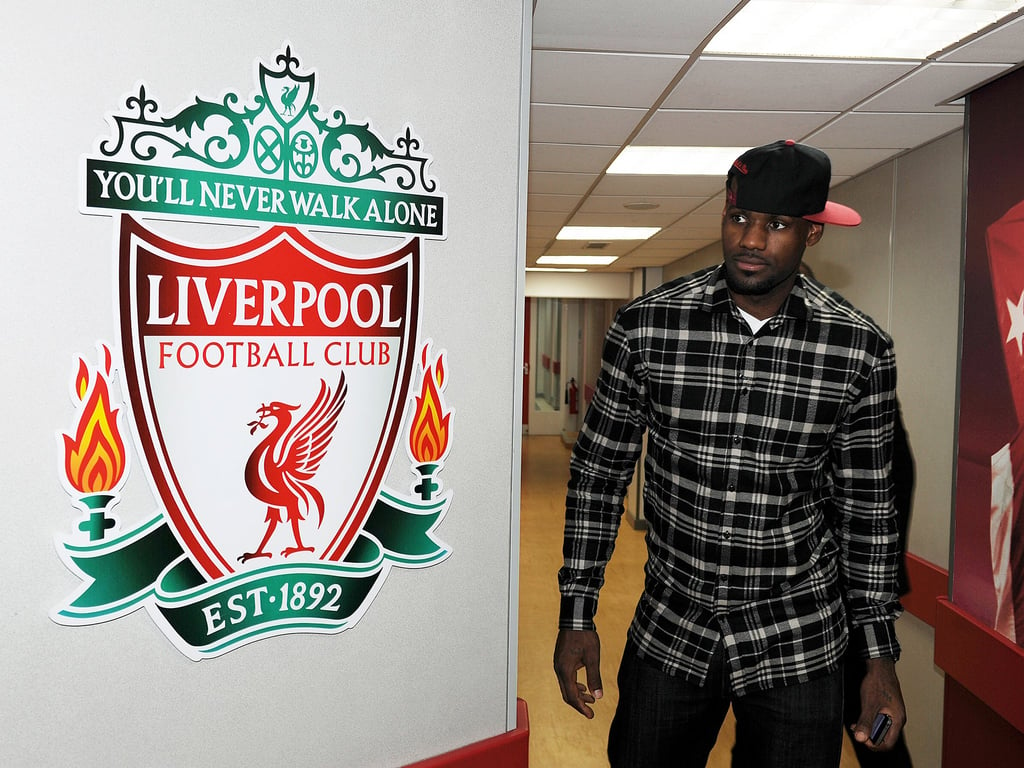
(880,728)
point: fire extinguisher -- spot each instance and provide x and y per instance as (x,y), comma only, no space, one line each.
(571,396)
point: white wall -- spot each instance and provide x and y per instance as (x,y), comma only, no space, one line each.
(908,277)
(431,665)
(902,266)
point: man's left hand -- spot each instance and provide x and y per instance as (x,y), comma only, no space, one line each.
(880,693)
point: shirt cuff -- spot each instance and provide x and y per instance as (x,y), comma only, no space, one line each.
(577,613)
(877,640)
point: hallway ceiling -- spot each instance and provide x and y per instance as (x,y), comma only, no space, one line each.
(607,74)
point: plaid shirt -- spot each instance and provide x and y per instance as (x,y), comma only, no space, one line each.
(766,488)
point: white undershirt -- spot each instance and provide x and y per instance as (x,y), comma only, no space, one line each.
(754,323)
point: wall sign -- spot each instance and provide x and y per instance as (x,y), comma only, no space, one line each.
(269,384)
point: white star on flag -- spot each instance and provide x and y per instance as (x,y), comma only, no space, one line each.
(1016,323)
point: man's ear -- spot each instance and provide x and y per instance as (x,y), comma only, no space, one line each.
(814,233)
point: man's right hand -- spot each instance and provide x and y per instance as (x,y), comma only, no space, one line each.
(575,650)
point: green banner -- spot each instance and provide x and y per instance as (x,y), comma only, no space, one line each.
(119,186)
(120,573)
(208,618)
(319,596)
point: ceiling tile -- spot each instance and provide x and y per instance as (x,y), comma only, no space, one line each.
(557,124)
(571,158)
(628,185)
(579,247)
(881,129)
(541,234)
(727,128)
(1002,45)
(559,183)
(654,26)
(695,226)
(537,237)
(603,79)
(926,89)
(613,204)
(623,219)
(555,219)
(543,202)
(713,207)
(738,83)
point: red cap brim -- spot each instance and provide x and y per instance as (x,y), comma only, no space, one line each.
(835,213)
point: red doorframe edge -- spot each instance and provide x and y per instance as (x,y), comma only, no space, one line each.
(506,750)
(927,582)
(981,660)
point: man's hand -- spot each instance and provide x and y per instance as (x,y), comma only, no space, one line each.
(880,692)
(575,650)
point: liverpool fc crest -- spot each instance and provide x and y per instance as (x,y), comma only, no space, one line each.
(268,384)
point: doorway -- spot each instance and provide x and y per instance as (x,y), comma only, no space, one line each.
(563,358)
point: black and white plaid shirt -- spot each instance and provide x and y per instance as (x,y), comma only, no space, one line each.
(767,488)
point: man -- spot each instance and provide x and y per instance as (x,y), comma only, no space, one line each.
(768,403)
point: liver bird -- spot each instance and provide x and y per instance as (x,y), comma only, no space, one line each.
(280,470)
(288,98)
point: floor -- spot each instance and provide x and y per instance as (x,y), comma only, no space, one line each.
(559,736)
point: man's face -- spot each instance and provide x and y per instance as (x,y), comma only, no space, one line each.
(763,251)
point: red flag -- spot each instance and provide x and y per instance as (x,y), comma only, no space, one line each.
(1005,242)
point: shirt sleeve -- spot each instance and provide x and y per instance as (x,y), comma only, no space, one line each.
(866,515)
(600,470)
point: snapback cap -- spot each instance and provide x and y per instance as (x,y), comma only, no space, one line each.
(787,179)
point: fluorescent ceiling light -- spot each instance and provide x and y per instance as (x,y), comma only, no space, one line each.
(578,261)
(676,161)
(606,233)
(876,29)
(556,269)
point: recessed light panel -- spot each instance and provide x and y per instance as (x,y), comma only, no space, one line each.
(676,161)
(607,233)
(577,261)
(555,269)
(878,29)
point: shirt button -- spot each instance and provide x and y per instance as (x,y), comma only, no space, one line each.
(726,534)
(735,439)
(723,578)
(731,487)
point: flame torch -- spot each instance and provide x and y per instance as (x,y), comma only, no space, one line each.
(429,433)
(95,458)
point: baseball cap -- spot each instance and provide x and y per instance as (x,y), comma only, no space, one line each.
(787,179)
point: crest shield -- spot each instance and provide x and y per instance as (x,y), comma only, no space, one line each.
(257,372)
(286,92)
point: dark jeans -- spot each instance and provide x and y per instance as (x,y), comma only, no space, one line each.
(898,756)
(663,721)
